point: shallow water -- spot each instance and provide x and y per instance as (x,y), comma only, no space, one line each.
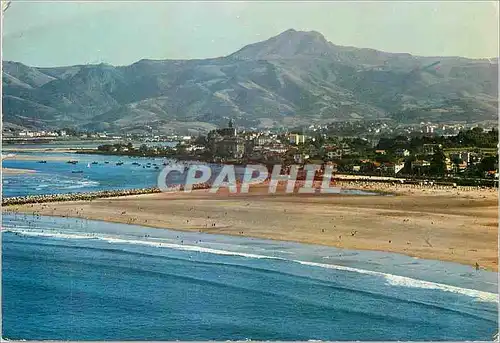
(57,177)
(76,279)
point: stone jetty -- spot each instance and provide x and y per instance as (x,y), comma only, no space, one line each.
(32,199)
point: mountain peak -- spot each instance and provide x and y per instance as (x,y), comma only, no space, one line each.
(301,35)
(288,44)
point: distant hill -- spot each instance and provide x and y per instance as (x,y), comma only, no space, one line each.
(291,79)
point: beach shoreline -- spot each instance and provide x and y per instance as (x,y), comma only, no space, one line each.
(17,171)
(449,224)
(40,157)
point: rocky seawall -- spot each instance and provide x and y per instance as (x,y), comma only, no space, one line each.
(32,199)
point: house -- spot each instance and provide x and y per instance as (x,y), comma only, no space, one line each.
(232,147)
(26,134)
(420,165)
(194,148)
(398,167)
(273,156)
(274,147)
(380,152)
(392,168)
(262,140)
(356,168)
(402,152)
(431,149)
(296,139)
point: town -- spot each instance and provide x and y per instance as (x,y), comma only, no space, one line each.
(471,154)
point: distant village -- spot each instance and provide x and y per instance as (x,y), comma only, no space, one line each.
(366,129)
(370,148)
(471,153)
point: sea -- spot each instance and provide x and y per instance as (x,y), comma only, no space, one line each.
(75,279)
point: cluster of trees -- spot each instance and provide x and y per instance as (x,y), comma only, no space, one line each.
(117,147)
(475,137)
(129,150)
(360,150)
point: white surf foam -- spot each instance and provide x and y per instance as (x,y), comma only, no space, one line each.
(393,280)
(49,234)
(183,247)
(82,184)
(404,281)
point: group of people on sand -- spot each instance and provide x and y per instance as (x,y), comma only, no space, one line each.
(420,185)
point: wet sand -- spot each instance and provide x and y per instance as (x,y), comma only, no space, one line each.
(16,171)
(21,157)
(458,225)
(35,149)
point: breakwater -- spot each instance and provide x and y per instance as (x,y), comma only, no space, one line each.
(32,199)
(36,199)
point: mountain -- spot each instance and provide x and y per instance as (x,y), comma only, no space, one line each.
(295,78)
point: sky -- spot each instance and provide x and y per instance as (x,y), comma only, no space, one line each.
(56,33)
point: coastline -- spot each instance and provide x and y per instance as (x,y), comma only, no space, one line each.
(449,224)
(21,157)
(17,171)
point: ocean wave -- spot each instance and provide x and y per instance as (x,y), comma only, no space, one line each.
(31,233)
(391,279)
(404,281)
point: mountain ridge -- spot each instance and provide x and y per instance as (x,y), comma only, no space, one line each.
(291,79)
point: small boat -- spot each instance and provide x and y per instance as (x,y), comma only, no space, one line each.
(106,162)
(136,163)
(95,162)
(77,171)
(119,163)
(42,161)
(73,162)
(157,167)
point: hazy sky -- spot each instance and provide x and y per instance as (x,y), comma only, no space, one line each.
(63,33)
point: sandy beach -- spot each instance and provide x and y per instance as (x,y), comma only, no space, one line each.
(458,225)
(15,171)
